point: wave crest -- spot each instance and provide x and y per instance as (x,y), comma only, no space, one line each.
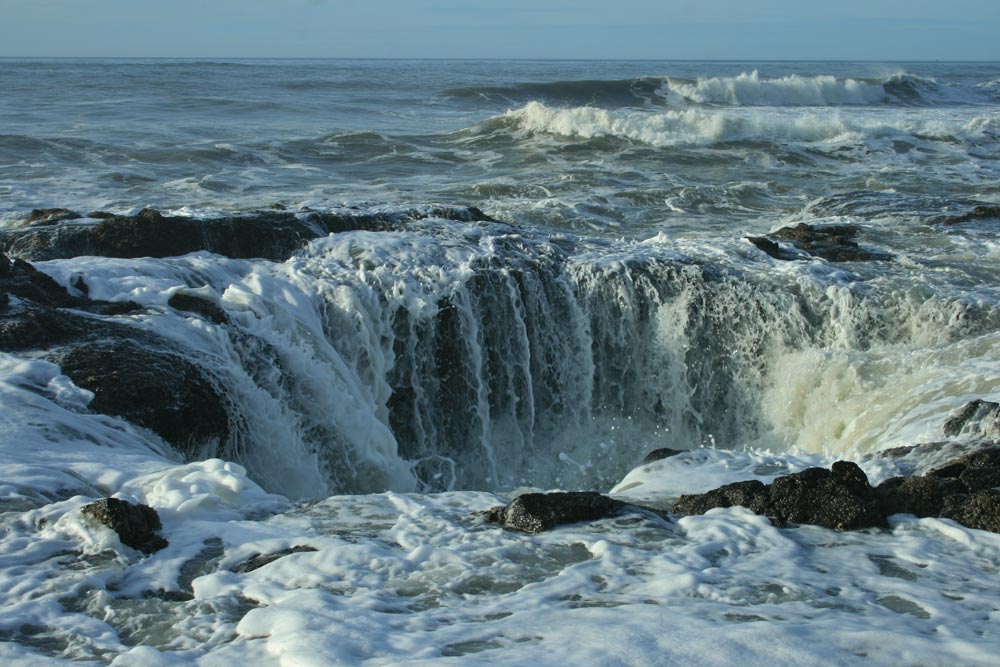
(749,89)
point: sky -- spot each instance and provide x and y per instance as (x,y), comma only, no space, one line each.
(600,29)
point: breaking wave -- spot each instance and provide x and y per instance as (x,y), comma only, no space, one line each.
(704,127)
(750,89)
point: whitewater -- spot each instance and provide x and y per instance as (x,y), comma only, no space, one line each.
(506,277)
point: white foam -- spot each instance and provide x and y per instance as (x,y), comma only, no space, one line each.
(705,127)
(749,89)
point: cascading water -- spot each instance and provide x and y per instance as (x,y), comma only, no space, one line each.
(457,356)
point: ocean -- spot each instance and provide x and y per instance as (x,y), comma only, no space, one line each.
(575,263)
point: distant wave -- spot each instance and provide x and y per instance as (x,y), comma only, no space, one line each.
(704,127)
(749,89)
(746,89)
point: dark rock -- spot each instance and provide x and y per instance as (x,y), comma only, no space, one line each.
(975,419)
(834,243)
(751,494)
(21,279)
(773,249)
(100,215)
(980,510)
(47,216)
(270,234)
(840,498)
(135,524)
(194,303)
(980,478)
(659,455)
(920,496)
(134,374)
(260,561)
(160,390)
(978,213)
(538,512)
(986,457)
(80,285)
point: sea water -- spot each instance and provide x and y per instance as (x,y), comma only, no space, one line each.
(389,385)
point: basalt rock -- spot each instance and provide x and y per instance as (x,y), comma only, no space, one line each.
(200,305)
(49,216)
(538,512)
(751,494)
(965,489)
(269,234)
(834,243)
(840,498)
(983,212)
(136,525)
(134,374)
(152,387)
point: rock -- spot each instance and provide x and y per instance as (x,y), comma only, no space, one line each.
(48,216)
(134,374)
(195,303)
(773,249)
(21,279)
(155,388)
(980,478)
(538,512)
(987,457)
(268,234)
(834,243)
(751,494)
(920,496)
(976,419)
(840,498)
(983,212)
(100,215)
(260,561)
(659,455)
(980,510)
(136,525)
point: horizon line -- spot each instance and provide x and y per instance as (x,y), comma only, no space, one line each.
(519,59)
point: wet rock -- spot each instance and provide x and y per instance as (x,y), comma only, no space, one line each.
(773,249)
(134,374)
(920,496)
(268,234)
(752,494)
(976,419)
(659,455)
(19,278)
(834,243)
(538,512)
(980,510)
(136,525)
(985,457)
(984,212)
(195,303)
(154,388)
(840,498)
(260,561)
(100,215)
(48,216)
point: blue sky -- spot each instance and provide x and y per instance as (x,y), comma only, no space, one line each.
(641,29)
